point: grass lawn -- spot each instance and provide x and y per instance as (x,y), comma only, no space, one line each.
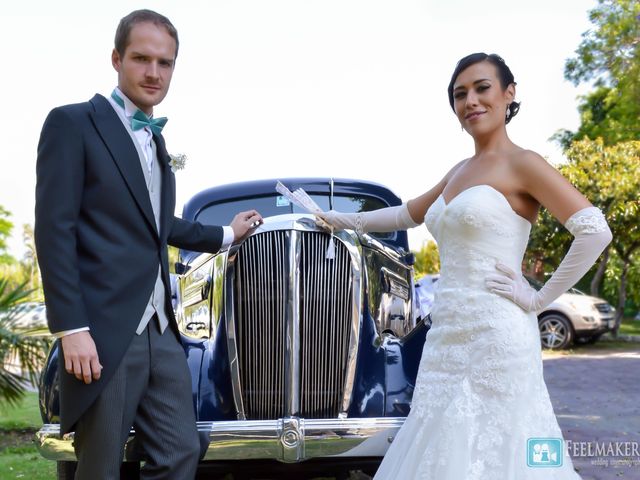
(19,457)
(629,326)
(26,415)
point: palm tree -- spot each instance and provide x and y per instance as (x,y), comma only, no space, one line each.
(30,260)
(26,348)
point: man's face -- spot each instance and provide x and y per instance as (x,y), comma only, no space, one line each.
(145,69)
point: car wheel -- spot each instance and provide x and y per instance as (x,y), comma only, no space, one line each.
(67,470)
(555,331)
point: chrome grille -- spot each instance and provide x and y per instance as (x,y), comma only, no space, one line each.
(604,307)
(325,306)
(293,310)
(260,298)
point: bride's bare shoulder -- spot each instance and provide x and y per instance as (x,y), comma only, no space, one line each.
(521,157)
(528,164)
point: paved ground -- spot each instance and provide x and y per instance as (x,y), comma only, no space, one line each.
(596,397)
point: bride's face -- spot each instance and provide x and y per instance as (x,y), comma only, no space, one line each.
(479,100)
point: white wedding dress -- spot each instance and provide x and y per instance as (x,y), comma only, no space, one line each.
(480,394)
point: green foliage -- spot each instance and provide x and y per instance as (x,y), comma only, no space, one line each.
(608,56)
(174,254)
(609,51)
(14,274)
(26,271)
(29,263)
(613,278)
(5,232)
(427,259)
(548,243)
(22,352)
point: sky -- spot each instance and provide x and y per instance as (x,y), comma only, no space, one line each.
(284,88)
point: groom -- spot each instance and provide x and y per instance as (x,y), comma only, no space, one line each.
(105,199)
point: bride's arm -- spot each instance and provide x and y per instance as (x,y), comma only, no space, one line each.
(401,217)
(418,206)
(585,222)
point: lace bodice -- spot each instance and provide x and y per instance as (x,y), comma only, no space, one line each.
(476,229)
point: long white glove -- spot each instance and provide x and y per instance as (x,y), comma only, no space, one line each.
(592,235)
(386,219)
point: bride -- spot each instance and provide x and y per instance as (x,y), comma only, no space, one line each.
(481,409)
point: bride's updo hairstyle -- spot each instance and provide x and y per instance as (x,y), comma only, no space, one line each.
(504,75)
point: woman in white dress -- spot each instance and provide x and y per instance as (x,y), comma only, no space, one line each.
(480,408)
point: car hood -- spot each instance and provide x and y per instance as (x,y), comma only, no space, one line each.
(574,298)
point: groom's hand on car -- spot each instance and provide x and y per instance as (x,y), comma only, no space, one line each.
(244,223)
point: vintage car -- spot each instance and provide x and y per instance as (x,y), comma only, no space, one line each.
(303,363)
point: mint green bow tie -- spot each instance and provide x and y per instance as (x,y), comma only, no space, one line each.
(141,119)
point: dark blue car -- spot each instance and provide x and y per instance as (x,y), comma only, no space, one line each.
(302,363)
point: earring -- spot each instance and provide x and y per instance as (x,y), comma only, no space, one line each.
(508,114)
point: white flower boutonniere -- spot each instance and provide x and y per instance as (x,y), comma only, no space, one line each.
(177,161)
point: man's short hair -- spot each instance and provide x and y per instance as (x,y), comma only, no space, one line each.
(140,16)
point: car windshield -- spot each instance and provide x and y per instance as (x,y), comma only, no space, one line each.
(269,205)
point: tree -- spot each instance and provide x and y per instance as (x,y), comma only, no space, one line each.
(26,271)
(22,353)
(30,262)
(608,56)
(5,232)
(614,277)
(609,176)
(427,259)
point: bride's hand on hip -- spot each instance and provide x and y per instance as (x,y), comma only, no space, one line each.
(512,286)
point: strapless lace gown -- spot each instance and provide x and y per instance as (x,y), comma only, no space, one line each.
(480,394)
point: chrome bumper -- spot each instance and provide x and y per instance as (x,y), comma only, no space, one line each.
(288,440)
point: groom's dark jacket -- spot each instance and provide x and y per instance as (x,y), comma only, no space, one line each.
(96,238)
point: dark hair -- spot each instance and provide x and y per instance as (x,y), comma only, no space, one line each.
(141,16)
(504,75)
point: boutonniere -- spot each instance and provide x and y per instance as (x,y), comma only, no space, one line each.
(177,161)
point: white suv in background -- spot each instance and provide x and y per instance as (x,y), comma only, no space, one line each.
(573,316)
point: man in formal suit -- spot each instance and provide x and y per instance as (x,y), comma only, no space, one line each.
(105,199)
